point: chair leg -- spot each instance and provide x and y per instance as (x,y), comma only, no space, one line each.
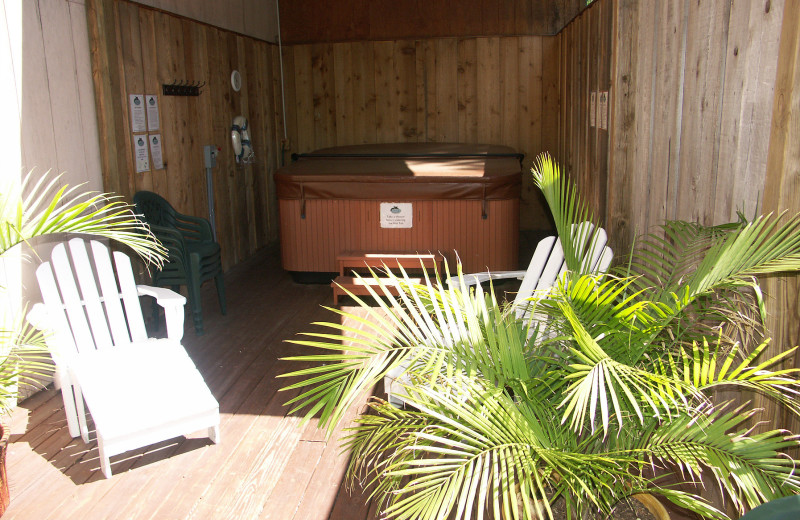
(81,414)
(105,462)
(213,434)
(220,283)
(70,409)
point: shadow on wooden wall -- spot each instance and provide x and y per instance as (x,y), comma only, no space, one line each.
(135,50)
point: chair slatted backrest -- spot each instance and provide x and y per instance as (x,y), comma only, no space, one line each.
(157,211)
(545,265)
(84,318)
(548,262)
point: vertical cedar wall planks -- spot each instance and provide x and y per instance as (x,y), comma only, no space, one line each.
(691,111)
(500,90)
(136,50)
(584,50)
(688,120)
(705,123)
(782,186)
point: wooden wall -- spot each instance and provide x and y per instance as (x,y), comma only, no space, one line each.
(705,121)
(692,104)
(47,105)
(134,51)
(496,90)
(52,105)
(318,21)
(584,54)
(782,189)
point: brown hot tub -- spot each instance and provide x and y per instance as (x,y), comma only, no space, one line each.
(410,197)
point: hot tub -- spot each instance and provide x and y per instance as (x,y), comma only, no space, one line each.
(453,199)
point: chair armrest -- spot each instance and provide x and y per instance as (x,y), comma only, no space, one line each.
(172,303)
(478,278)
(37,316)
(165,297)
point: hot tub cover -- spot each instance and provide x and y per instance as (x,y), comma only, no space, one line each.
(412,171)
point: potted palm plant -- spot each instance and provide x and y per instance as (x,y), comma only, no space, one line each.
(42,208)
(607,390)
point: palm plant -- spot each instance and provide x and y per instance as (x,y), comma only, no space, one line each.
(44,208)
(607,389)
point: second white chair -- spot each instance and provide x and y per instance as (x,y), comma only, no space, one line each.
(546,265)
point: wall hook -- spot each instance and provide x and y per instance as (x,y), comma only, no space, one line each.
(182,88)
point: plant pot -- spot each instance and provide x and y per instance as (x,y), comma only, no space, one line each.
(4,496)
(650,502)
(653,505)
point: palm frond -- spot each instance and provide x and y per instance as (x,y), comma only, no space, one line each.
(24,361)
(707,367)
(599,338)
(763,246)
(708,258)
(426,330)
(476,450)
(49,209)
(749,468)
(608,376)
(568,209)
(666,258)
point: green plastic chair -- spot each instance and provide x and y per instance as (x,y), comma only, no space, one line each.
(194,256)
(786,508)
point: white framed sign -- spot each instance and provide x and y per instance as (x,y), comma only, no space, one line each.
(397,214)
(151,102)
(140,153)
(155,151)
(602,100)
(138,119)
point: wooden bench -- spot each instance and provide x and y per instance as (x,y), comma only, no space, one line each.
(352,260)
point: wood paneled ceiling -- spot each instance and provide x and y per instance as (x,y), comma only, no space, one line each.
(313,21)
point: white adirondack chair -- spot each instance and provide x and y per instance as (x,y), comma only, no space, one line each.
(138,390)
(546,265)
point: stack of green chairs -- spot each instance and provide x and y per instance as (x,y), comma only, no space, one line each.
(194,256)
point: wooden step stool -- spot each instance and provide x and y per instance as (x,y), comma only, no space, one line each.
(349,260)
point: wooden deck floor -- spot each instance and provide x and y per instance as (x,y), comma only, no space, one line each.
(265,467)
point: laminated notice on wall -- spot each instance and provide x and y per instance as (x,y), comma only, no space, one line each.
(397,214)
(140,153)
(138,122)
(155,151)
(603,110)
(152,112)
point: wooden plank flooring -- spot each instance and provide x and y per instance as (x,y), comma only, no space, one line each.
(266,466)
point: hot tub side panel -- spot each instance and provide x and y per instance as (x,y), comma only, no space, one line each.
(448,227)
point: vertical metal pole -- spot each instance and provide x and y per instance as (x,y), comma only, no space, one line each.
(210,189)
(210,158)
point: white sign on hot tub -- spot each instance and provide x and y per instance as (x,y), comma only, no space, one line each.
(397,214)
